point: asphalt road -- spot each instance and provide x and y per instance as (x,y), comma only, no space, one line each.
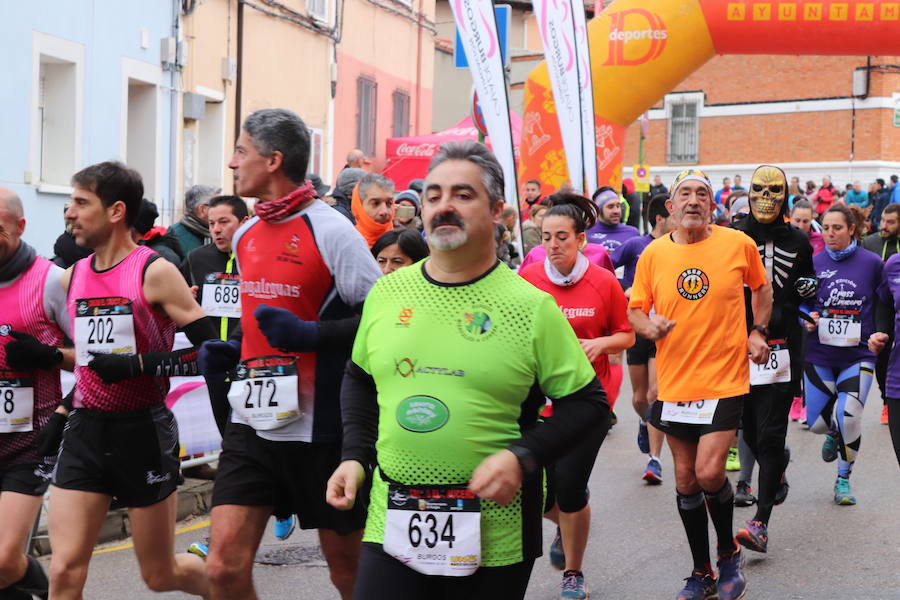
(817,550)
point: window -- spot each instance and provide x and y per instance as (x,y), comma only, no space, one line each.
(318,9)
(56,111)
(366,104)
(401,114)
(211,134)
(315,152)
(140,153)
(684,127)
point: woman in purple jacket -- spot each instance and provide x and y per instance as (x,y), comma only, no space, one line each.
(838,366)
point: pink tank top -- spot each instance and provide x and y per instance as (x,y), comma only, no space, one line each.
(110,314)
(23,310)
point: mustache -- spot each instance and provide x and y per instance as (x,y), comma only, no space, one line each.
(447,219)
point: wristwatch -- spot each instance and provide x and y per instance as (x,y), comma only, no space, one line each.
(762,329)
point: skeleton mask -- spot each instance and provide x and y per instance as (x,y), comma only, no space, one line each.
(767,193)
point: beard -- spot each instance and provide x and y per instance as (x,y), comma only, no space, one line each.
(450,239)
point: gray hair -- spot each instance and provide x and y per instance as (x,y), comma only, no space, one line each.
(348,179)
(477,154)
(371,180)
(280,130)
(198,195)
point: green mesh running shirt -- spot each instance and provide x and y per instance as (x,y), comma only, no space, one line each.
(453,366)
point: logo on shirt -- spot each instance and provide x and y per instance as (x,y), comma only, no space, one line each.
(406,367)
(476,326)
(293,245)
(405,316)
(693,284)
(422,414)
(573,313)
(827,273)
(267,290)
(5,329)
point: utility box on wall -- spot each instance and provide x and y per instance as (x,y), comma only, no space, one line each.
(194,106)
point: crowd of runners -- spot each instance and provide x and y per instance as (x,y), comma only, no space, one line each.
(379,373)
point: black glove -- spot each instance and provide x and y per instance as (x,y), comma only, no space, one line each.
(25,352)
(806,287)
(216,357)
(50,436)
(113,368)
(285,330)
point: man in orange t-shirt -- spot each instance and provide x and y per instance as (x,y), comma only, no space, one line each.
(688,297)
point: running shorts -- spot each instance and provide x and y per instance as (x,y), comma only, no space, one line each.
(641,352)
(727,417)
(29,478)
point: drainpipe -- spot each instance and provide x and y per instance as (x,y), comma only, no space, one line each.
(238,80)
(169,211)
(418,67)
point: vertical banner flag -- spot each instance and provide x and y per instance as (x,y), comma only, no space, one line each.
(557,28)
(586,95)
(477,27)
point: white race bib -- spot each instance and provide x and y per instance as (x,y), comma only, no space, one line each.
(840,329)
(264,392)
(434,531)
(620,272)
(16,405)
(221,295)
(777,369)
(699,412)
(103,326)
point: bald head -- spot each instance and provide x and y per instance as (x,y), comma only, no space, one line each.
(9,201)
(357,159)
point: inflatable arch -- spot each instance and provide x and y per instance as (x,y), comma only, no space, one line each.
(641,49)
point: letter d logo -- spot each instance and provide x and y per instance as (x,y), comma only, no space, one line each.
(654,33)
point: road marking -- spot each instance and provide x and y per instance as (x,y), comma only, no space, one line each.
(193,527)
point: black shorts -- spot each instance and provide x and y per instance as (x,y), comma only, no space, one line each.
(726,417)
(132,456)
(30,479)
(642,351)
(380,575)
(290,477)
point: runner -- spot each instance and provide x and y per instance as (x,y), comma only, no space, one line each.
(399,248)
(454,420)
(31,329)
(839,366)
(879,342)
(693,278)
(641,357)
(609,231)
(304,270)
(787,257)
(121,441)
(594,305)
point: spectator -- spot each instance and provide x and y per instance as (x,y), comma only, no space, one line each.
(895,190)
(825,197)
(417,185)
(357,159)
(65,251)
(794,187)
(884,241)
(163,242)
(881,197)
(737,184)
(810,190)
(723,193)
(404,202)
(343,191)
(532,197)
(857,197)
(321,189)
(192,230)
(373,206)
(531,228)
(399,248)
(633,201)
(658,187)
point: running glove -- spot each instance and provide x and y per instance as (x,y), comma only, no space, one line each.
(113,368)
(806,287)
(50,436)
(286,331)
(217,357)
(25,352)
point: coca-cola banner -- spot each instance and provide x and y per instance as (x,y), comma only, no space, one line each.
(557,28)
(586,95)
(477,26)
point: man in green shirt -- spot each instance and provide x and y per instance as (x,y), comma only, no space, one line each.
(452,360)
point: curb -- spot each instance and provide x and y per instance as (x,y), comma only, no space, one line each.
(194,498)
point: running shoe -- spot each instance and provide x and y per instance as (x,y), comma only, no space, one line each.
(733,463)
(200,548)
(842,495)
(283,527)
(613,419)
(557,554)
(830,447)
(884,415)
(699,586)
(743,495)
(573,587)
(796,409)
(653,473)
(754,536)
(643,438)
(732,584)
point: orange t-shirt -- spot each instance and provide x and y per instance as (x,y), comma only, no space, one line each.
(701,287)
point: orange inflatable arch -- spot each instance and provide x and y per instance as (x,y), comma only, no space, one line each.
(641,49)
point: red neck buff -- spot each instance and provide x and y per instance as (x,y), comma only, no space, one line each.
(276,210)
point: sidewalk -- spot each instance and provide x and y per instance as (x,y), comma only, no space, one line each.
(194,498)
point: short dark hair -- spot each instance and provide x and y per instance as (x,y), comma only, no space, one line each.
(113,182)
(850,217)
(410,242)
(657,208)
(880,182)
(477,154)
(583,212)
(534,181)
(892,208)
(237,204)
(801,203)
(281,130)
(894,179)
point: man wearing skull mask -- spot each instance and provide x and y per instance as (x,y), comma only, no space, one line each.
(787,256)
